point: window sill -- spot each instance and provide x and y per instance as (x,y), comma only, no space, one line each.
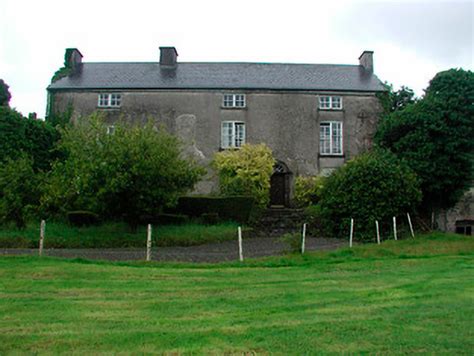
(229,148)
(109,108)
(328,155)
(233,108)
(337,110)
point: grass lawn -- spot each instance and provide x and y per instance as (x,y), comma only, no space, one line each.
(397,298)
(108,235)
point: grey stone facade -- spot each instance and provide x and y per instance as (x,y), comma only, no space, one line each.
(287,120)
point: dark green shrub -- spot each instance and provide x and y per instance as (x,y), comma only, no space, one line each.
(15,242)
(82,218)
(313,217)
(19,135)
(19,190)
(373,186)
(237,208)
(210,218)
(292,241)
(435,137)
(171,219)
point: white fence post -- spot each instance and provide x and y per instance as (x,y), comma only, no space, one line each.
(41,241)
(351,233)
(411,226)
(241,256)
(303,238)
(378,231)
(148,243)
(395,228)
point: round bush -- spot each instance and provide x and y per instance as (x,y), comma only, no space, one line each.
(373,186)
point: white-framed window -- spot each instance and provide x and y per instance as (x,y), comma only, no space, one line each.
(233,101)
(108,100)
(232,134)
(330,102)
(330,138)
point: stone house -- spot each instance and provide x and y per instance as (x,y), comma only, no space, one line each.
(313,116)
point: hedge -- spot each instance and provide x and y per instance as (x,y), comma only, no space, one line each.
(235,208)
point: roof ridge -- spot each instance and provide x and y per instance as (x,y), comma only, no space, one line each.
(255,63)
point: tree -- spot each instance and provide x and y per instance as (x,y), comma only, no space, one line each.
(133,172)
(434,137)
(246,171)
(396,100)
(20,135)
(19,190)
(373,186)
(5,95)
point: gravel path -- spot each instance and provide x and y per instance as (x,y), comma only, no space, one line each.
(217,252)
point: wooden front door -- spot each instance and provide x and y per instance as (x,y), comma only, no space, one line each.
(278,189)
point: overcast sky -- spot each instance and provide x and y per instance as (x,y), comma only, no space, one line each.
(412,40)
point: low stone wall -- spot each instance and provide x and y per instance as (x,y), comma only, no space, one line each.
(463,211)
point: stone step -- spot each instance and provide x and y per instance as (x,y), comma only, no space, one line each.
(277,222)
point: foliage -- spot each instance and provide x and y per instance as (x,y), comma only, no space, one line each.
(372,186)
(394,100)
(60,119)
(434,136)
(246,171)
(66,69)
(19,192)
(34,137)
(292,241)
(5,95)
(133,172)
(82,218)
(308,190)
(235,208)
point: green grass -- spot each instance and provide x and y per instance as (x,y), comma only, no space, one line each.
(398,298)
(60,235)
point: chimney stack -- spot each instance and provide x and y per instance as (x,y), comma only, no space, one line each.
(72,58)
(366,60)
(168,56)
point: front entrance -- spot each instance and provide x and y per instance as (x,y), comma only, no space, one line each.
(280,185)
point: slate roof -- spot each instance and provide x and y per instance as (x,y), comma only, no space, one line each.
(270,76)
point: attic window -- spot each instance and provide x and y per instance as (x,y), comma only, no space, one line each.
(330,102)
(110,100)
(234,101)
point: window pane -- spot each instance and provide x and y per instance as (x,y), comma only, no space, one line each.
(228,100)
(240,100)
(325,138)
(103,99)
(336,138)
(226,134)
(239,134)
(336,102)
(324,102)
(115,99)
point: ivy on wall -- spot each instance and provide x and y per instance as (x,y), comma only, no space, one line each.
(66,69)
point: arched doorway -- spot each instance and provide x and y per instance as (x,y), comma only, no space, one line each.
(280,185)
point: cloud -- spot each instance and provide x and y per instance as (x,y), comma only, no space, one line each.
(441,30)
